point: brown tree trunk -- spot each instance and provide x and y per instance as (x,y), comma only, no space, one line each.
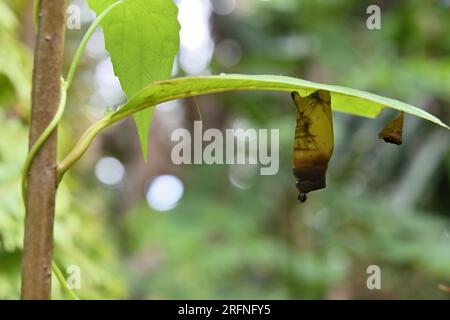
(40,206)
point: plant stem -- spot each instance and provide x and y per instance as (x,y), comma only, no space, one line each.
(42,138)
(41,191)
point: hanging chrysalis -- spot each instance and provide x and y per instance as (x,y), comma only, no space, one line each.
(314,141)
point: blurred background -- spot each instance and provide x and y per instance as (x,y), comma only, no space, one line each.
(160,231)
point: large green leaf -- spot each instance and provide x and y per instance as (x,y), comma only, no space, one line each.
(142,38)
(343,99)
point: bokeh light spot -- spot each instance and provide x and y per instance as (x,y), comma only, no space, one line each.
(109,171)
(164,192)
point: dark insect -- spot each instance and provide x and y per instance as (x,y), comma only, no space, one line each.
(393,131)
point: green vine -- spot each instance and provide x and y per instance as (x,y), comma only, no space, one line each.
(42,138)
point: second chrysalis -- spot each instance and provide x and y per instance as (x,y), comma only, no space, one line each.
(313,145)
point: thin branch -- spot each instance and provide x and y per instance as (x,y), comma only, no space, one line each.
(42,138)
(40,205)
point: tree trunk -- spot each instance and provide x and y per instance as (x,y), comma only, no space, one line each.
(40,205)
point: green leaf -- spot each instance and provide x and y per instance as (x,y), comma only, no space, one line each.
(343,99)
(142,38)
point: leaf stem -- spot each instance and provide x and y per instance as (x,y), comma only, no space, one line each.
(84,41)
(80,148)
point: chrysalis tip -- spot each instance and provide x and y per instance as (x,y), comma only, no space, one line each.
(302,197)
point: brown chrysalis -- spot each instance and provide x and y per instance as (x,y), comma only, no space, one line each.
(313,144)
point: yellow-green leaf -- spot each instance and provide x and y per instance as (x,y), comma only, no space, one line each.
(348,100)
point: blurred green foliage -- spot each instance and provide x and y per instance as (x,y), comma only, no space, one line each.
(383,205)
